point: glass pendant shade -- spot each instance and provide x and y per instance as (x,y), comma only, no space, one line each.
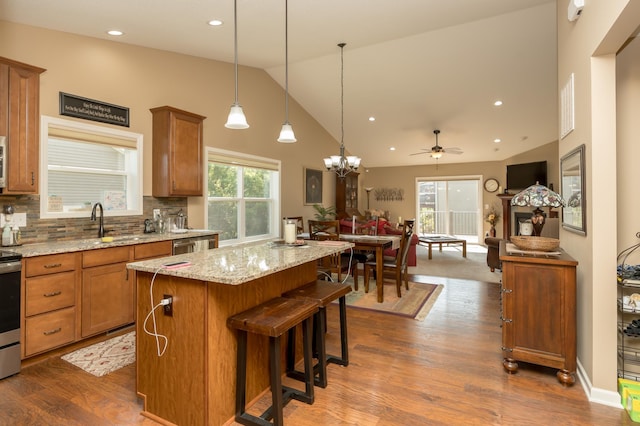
(286,134)
(436,155)
(236,119)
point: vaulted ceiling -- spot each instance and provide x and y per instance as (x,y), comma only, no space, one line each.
(414,65)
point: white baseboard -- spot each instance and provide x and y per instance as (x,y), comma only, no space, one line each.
(599,396)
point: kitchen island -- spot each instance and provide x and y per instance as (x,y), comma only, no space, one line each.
(193,381)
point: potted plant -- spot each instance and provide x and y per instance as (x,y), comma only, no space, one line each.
(324,213)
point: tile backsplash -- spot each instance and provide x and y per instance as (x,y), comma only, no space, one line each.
(42,230)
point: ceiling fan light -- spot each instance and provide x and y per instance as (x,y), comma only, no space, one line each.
(436,155)
(236,119)
(286,134)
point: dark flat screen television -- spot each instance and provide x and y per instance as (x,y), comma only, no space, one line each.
(521,176)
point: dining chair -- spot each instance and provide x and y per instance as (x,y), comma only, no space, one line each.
(299,223)
(396,264)
(337,263)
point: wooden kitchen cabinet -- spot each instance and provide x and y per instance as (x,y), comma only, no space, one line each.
(49,297)
(20,123)
(539,311)
(178,157)
(107,290)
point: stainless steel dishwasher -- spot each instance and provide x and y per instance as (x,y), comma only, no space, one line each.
(10,267)
(193,244)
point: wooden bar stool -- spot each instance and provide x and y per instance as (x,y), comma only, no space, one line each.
(322,293)
(273,318)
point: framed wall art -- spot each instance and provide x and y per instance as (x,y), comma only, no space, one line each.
(573,189)
(312,186)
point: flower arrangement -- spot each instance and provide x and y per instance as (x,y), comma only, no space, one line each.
(492,216)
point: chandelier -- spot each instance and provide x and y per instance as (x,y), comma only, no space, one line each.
(340,164)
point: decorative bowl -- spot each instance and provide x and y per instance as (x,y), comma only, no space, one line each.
(535,243)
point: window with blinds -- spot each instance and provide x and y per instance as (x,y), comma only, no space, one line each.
(84,164)
(243,196)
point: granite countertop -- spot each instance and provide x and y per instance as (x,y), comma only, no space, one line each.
(243,263)
(67,246)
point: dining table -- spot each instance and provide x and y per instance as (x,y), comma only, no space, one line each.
(377,244)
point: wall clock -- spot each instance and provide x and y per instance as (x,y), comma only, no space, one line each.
(491,185)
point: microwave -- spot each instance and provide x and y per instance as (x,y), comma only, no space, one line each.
(3,161)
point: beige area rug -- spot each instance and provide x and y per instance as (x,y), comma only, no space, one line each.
(450,263)
(105,357)
(414,303)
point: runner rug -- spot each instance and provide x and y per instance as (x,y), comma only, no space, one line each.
(105,357)
(414,303)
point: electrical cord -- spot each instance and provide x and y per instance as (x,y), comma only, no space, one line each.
(153,316)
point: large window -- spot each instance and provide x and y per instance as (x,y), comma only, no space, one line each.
(449,207)
(243,196)
(82,164)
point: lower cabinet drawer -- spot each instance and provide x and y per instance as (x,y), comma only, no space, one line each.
(49,293)
(47,331)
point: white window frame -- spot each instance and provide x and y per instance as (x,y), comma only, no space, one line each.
(134,192)
(477,178)
(241,159)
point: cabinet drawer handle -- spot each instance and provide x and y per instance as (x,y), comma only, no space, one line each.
(507,290)
(54,331)
(507,320)
(53,265)
(55,293)
(506,349)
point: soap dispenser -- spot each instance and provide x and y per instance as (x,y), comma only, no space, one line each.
(6,235)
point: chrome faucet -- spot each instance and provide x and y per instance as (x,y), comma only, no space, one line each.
(93,217)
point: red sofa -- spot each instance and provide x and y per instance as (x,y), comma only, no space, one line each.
(384,228)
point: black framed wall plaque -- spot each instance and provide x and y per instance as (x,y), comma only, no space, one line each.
(91,109)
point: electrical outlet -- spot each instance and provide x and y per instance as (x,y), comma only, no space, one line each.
(156,214)
(168,309)
(19,219)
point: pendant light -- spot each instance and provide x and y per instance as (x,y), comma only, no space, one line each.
(340,164)
(236,119)
(286,134)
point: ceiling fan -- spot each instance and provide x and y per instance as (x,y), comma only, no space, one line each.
(437,150)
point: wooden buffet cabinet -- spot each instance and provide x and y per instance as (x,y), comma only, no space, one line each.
(177,153)
(539,311)
(20,123)
(346,195)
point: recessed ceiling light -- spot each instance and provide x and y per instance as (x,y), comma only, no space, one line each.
(215,22)
(497,140)
(115,32)
(393,148)
(497,103)
(372,118)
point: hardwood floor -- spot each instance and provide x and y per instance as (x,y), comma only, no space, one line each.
(446,370)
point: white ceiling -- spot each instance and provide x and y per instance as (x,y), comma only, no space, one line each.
(416,65)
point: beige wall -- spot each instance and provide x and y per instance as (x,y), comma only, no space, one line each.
(405,178)
(140,79)
(587,48)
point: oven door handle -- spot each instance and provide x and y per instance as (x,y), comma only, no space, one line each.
(8,267)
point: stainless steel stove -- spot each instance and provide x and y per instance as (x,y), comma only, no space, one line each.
(10,267)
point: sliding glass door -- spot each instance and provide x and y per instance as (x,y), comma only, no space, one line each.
(449,206)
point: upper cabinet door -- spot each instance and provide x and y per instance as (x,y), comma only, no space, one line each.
(20,123)
(178,158)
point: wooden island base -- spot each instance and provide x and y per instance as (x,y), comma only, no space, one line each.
(193,382)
